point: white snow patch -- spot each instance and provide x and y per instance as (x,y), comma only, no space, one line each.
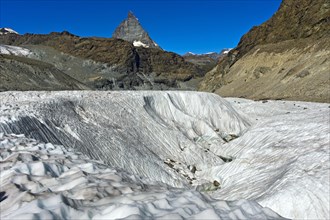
(139,44)
(226,51)
(8,30)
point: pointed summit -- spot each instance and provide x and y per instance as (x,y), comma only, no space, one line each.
(131,30)
(131,15)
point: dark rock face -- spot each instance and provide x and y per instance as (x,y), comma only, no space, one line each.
(295,40)
(131,30)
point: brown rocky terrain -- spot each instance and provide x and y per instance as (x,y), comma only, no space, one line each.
(131,67)
(286,57)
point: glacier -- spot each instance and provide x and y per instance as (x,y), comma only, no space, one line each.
(14,50)
(182,154)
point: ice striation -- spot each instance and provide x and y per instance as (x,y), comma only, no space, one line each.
(46,181)
(157,135)
(275,153)
(283,160)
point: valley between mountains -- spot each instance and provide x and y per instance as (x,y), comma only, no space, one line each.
(120,128)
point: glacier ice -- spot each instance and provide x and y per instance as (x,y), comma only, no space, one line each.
(274,153)
(136,131)
(14,50)
(45,181)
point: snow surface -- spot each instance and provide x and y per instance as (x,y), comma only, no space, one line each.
(46,181)
(191,53)
(138,43)
(13,50)
(273,152)
(8,30)
(226,51)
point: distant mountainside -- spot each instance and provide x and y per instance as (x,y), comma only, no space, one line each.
(206,61)
(108,63)
(132,31)
(286,57)
(212,55)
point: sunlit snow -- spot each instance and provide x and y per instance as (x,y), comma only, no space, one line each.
(8,30)
(139,44)
(226,51)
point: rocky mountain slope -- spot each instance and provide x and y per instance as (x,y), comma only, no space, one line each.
(20,73)
(131,30)
(124,66)
(286,57)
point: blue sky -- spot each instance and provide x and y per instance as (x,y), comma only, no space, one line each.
(179,26)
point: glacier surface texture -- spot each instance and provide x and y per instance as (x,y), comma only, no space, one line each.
(151,154)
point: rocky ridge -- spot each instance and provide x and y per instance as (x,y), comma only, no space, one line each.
(286,57)
(124,66)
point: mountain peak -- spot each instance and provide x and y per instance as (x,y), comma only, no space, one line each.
(131,30)
(131,15)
